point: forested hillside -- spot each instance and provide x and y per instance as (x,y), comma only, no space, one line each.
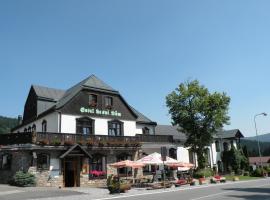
(252,147)
(262,137)
(7,123)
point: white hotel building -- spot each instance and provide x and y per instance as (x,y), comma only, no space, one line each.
(68,137)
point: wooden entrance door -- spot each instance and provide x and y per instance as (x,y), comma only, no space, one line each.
(71,172)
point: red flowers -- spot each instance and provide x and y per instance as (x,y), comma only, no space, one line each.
(97,173)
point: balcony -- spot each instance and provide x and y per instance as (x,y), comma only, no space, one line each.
(67,139)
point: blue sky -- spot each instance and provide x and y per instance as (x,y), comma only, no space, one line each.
(143,48)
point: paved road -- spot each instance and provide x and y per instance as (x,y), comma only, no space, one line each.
(252,190)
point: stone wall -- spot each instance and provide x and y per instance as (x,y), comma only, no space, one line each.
(21,160)
(25,161)
(46,178)
(85,182)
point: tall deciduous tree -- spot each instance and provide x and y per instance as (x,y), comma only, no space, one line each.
(198,114)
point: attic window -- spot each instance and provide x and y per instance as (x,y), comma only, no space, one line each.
(145,131)
(93,100)
(108,102)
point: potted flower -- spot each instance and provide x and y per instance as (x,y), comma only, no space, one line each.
(69,142)
(56,142)
(43,142)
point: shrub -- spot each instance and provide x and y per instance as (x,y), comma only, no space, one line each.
(246,173)
(267,169)
(201,173)
(23,179)
(258,172)
(113,184)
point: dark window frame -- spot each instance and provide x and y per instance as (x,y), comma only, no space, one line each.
(217,145)
(40,165)
(232,143)
(225,146)
(119,125)
(96,170)
(44,126)
(107,104)
(92,102)
(173,153)
(34,127)
(81,124)
(191,156)
(8,165)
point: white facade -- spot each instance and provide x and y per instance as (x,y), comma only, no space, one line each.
(52,120)
(214,154)
(68,125)
(182,154)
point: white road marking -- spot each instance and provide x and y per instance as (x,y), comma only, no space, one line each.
(211,195)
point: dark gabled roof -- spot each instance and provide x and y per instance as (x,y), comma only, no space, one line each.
(234,133)
(94,82)
(170,130)
(173,130)
(73,148)
(91,82)
(142,118)
(61,97)
(48,93)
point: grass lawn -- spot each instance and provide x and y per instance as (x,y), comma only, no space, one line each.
(241,178)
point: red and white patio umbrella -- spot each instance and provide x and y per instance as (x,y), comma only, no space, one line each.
(155,159)
(183,165)
(128,163)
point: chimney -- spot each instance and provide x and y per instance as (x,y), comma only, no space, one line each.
(19,119)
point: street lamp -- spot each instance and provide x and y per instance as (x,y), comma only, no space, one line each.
(258,142)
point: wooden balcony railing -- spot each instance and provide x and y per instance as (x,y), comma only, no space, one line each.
(56,139)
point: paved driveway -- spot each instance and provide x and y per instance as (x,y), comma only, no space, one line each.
(18,193)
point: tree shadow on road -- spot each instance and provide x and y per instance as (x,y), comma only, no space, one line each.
(250,197)
(259,193)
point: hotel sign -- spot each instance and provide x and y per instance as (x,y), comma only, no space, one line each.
(113,113)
